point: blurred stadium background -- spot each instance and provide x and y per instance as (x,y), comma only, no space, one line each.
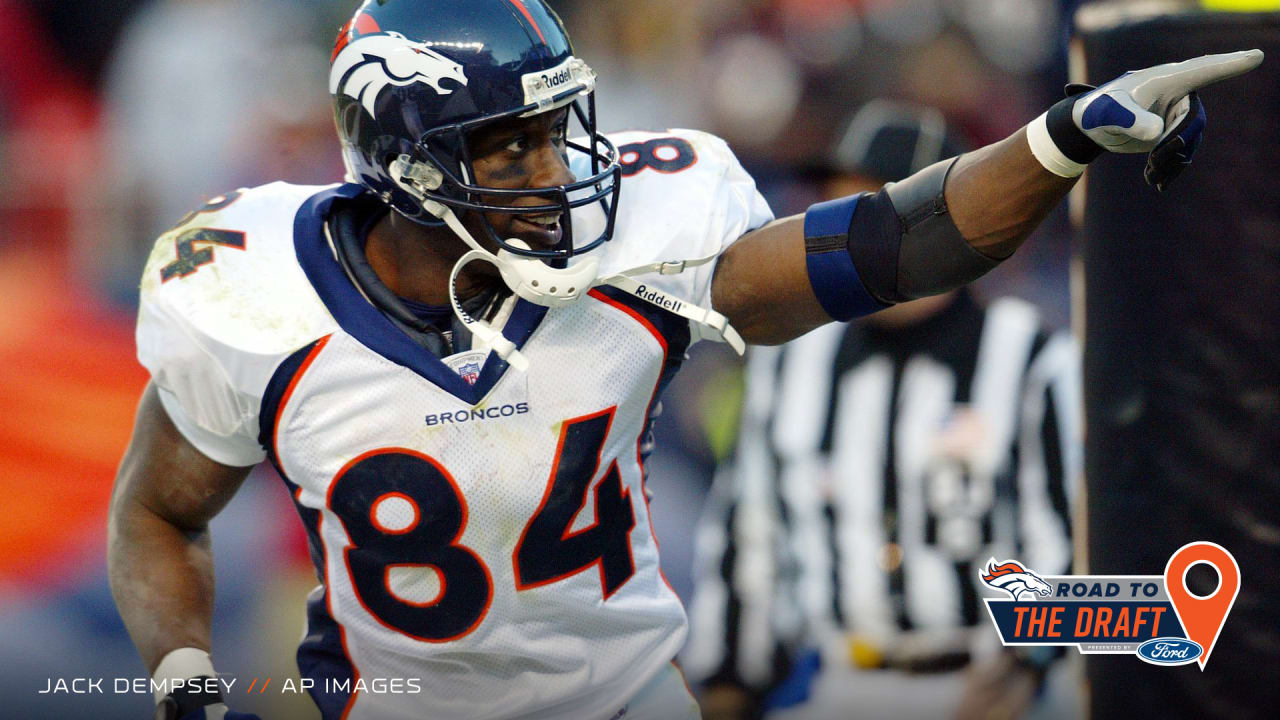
(119,116)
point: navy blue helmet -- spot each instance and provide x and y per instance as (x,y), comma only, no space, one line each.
(410,79)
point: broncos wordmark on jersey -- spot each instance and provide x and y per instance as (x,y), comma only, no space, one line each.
(489,535)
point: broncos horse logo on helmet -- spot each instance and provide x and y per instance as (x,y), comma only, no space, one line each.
(412,80)
(368,64)
(1011,577)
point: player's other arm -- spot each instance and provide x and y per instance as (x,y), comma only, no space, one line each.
(158,554)
(952,222)
(996,196)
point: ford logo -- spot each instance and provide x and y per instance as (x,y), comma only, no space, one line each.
(1169,651)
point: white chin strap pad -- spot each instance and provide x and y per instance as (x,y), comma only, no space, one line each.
(535,281)
(541,284)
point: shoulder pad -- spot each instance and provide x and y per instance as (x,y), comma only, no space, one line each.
(230,272)
(223,301)
(684,195)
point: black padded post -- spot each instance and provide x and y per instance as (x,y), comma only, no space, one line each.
(1182,363)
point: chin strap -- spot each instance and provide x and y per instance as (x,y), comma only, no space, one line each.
(480,330)
(712,325)
(541,284)
(528,278)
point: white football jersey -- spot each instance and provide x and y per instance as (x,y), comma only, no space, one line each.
(479,530)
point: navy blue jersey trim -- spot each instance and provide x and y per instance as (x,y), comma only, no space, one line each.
(274,395)
(310,522)
(321,657)
(367,324)
(675,330)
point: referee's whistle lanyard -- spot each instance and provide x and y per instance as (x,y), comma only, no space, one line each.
(541,284)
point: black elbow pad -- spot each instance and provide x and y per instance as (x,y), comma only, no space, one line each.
(905,245)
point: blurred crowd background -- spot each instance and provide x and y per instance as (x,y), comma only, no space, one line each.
(119,116)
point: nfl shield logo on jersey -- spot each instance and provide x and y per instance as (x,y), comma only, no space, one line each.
(470,372)
(467,364)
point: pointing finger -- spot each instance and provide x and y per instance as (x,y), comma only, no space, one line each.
(1177,79)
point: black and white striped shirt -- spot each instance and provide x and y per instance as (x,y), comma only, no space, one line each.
(876,470)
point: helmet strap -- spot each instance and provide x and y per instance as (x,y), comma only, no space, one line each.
(539,283)
(529,278)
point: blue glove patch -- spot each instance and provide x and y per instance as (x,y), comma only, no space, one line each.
(1194,132)
(1105,111)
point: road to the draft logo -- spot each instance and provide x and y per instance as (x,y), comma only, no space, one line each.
(1156,617)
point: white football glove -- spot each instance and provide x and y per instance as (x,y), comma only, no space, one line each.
(1130,114)
(1155,110)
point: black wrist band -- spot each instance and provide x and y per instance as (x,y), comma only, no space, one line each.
(1070,139)
(193,695)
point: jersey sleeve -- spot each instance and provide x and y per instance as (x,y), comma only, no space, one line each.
(684,196)
(195,388)
(222,302)
(737,209)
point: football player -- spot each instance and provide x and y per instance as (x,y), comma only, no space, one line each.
(452,358)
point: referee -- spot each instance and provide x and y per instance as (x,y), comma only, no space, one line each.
(879,465)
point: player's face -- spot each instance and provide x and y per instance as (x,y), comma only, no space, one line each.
(523,153)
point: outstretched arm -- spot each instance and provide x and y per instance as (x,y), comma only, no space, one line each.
(950,223)
(996,195)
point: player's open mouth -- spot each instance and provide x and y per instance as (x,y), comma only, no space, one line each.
(542,230)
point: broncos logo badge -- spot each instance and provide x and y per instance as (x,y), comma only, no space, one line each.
(368,64)
(1011,577)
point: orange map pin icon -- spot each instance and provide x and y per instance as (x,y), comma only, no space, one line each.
(1202,616)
